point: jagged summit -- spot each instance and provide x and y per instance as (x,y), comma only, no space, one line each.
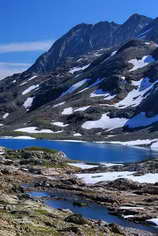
(84,38)
(130,28)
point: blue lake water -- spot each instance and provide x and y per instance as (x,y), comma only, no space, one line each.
(92,210)
(88,152)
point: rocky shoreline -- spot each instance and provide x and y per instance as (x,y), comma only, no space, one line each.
(43,170)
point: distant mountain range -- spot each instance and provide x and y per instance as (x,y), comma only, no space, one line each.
(97,82)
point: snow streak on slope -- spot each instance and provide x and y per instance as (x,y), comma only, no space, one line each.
(112,54)
(75,69)
(59,104)
(98,81)
(74,87)
(28,90)
(82,108)
(33,77)
(142,35)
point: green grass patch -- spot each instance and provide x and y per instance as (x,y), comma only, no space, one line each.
(41,211)
(43,149)
(54,165)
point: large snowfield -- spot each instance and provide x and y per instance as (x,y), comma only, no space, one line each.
(111,176)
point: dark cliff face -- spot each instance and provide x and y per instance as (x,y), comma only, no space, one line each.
(79,40)
(84,38)
(150,32)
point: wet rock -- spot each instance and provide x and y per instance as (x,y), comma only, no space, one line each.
(150,189)
(77,219)
(66,211)
(116,229)
(73,229)
(35,170)
(17,189)
(81,204)
(72,181)
(2,150)
(124,184)
(9,170)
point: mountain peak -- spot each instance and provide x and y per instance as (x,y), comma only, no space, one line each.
(85,38)
(137,16)
(79,40)
(129,30)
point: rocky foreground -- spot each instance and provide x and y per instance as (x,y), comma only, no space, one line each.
(37,169)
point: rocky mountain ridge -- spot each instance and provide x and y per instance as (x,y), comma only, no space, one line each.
(84,38)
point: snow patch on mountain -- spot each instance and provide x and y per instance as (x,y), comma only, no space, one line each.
(22,137)
(33,77)
(135,97)
(28,103)
(111,176)
(109,97)
(154,146)
(105,122)
(22,84)
(137,64)
(67,111)
(5,115)
(28,90)
(60,124)
(59,104)
(77,135)
(34,130)
(83,165)
(99,93)
(153,221)
(137,142)
(82,108)
(102,93)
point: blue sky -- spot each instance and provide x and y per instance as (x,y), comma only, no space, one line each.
(29,27)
